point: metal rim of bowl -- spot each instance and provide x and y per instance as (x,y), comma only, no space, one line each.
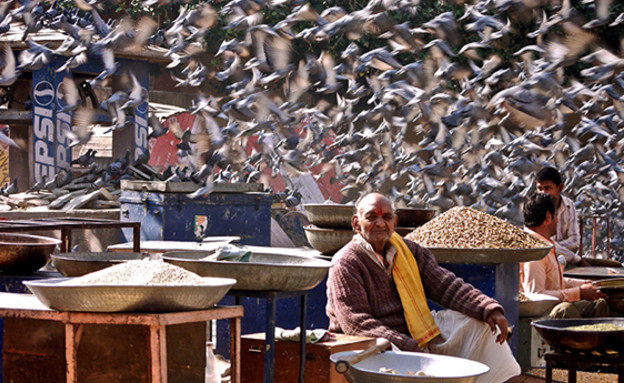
(47,240)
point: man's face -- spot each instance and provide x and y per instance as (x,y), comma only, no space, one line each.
(375,221)
(551,188)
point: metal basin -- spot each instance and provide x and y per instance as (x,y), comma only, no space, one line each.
(594,272)
(538,305)
(555,332)
(442,368)
(487,256)
(77,264)
(329,215)
(25,253)
(327,241)
(614,288)
(268,269)
(115,298)
(412,218)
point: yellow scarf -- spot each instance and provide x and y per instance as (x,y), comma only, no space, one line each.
(407,279)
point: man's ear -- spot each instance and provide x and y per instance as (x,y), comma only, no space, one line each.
(549,217)
(355,222)
(560,187)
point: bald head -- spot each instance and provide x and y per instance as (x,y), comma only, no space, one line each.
(375,220)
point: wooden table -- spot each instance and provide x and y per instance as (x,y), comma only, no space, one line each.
(29,307)
(270,322)
(574,359)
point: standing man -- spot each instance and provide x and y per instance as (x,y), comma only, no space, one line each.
(567,238)
(378,286)
(580,298)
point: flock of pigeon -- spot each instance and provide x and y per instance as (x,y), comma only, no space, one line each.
(452,111)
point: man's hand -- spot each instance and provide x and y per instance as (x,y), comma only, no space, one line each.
(591,292)
(495,318)
(583,263)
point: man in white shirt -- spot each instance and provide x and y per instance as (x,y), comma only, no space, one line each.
(567,239)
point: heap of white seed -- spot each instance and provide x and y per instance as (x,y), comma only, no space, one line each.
(140,273)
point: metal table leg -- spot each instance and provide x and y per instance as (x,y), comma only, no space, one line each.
(136,238)
(548,370)
(302,338)
(269,352)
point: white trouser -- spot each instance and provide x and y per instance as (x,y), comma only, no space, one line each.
(466,337)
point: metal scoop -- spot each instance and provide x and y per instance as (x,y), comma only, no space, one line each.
(343,365)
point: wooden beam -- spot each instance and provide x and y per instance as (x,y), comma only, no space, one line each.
(11,117)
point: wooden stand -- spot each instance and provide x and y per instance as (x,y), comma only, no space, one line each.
(17,308)
(319,368)
(574,359)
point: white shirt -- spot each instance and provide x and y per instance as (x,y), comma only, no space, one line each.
(567,238)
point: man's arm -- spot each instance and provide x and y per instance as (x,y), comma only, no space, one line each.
(568,232)
(535,282)
(446,289)
(571,257)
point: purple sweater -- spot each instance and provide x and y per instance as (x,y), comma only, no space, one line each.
(363,300)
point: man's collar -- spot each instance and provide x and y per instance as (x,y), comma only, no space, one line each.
(538,235)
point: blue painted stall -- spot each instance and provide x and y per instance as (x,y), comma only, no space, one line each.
(176,217)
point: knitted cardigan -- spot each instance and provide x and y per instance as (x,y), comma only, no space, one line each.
(363,300)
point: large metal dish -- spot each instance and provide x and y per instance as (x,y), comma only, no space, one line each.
(538,305)
(555,333)
(327,241)
(268,269)
(487,256)
(411,217)
(443,368)
(329,215)
(116,298)
(25,253)
(77,264)
(614,288)
(594,272)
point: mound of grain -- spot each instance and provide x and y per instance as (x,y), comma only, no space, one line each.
(144,272)
(467,228)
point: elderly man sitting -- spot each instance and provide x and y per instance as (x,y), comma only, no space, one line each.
(379,284)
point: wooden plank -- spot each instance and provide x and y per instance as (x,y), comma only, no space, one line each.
(81,201)
(11,116)
(63,200)
(189,187)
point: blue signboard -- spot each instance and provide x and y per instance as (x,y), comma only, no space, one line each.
(141,70)
(49,124)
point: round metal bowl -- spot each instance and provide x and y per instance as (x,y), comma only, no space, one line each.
(327,241)
(441,368)
(487,256)
(268,269)
(538,305)
(25,253)
(77,264)
(614,288)
(411,217)
(115,298)
(594,272)
(555,333)
(329,215)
